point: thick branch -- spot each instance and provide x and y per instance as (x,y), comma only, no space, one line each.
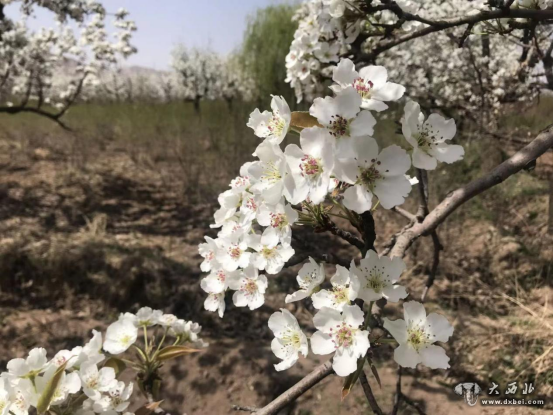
(297,390)
(528,154)
(439,25)
(17,110)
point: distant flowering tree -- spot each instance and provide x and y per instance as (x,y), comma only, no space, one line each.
(204,75)
(340,170)
(44,72)
(85,380)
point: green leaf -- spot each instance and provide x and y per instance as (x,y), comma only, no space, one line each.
(116,364)
(172,352)
(50,390)
(375,372)
(302,119)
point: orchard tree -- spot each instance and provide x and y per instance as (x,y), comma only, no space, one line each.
(44,72)
(204,75)
(339,169)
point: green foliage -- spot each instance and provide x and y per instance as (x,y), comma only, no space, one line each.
(266,43)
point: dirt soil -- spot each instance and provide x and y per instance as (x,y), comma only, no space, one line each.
(79,244)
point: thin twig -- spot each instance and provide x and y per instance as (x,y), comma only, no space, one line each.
(245,408)
(397,397)
(297,390)
(369,393)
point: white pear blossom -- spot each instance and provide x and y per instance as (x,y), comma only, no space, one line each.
(217,280)
(378,277)
(372,173)
(342,117)
(233,255)
(145,316)
(310,277)
(342,334)
(215,285)
(278,220)
(250,288)
(34,363)
(272,126)
(95,381)
(269,175)
(345,287)
(270,254)
(416,336)
(208,251)
(311,165)
(116,399)
(216,302)
(167,320)
(120,336)
(327,52)
(235,231)
(428,138)
(230,202)
(289,339)
(371,83)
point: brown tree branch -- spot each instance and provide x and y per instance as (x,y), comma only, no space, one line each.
(297,390)
(439,25)
(369,393)
(527,155)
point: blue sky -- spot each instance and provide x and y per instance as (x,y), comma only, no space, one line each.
(218,24)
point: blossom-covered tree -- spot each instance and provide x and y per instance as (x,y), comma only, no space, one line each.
(340,169)
(44,72)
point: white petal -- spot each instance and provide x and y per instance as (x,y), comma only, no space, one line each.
(327,318)
(286,364)
(444,129)
(378,75)
(374,105)
(353,315)
(348,102)
(344,362)
(321,343)
(447,153)
(414,312)
(438,327)
(394,293)
(422,160)
(389,92)
(361,343)
(434,357)
(296,296)
(406,356)
(394,161)
(345,73)
(392,191)
(362,125)
(358,199)
(397,328)
(324,298)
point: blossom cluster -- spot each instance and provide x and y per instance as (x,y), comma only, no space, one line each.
(75,51)
(342,326)
(471,79)
(337,161)
(84,380)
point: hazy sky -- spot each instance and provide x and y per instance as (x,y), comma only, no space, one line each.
(218,24)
